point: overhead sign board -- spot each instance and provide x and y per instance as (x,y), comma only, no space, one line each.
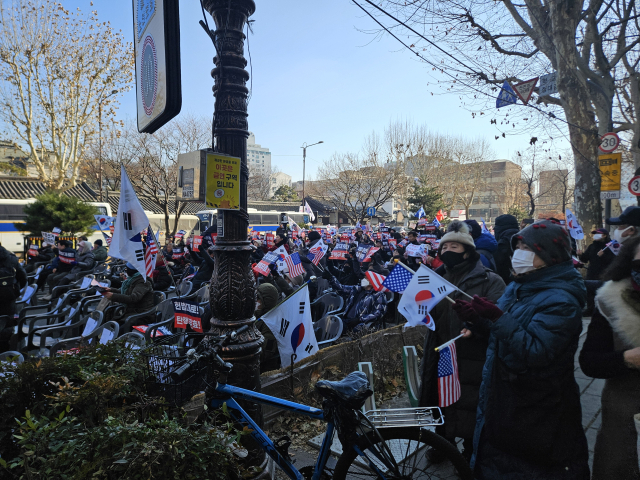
(610,171)
(609,142)
(548,84)
(156,26)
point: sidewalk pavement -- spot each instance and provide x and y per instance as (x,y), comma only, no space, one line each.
(590,396)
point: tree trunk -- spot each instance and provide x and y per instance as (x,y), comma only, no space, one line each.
(577,107)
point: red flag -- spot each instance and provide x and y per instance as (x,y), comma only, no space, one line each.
(440,216)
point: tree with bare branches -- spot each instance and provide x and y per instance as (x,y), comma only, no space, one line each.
(352,182)
(259,184)
(478,44)
(56,68)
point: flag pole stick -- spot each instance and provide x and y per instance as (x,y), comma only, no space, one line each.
(446,344)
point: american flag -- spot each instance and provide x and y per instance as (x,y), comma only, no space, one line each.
(398,280)
(375,279)
(107,239)
(448,381)
(316,253)
(294,265)
(150,254)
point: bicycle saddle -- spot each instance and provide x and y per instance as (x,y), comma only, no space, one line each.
(351,391)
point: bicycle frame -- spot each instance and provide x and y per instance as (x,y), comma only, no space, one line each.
(229,396)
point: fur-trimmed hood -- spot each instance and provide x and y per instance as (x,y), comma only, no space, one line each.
(623,317)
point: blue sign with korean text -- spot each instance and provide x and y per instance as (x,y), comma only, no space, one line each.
(144,13)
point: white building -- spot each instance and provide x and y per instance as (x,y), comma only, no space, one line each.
(258,157)
(279,179)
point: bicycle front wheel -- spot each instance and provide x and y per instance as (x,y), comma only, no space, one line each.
(409,447)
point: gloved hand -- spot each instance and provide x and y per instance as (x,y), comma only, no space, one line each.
(326,274)
(485,308)
(465,311)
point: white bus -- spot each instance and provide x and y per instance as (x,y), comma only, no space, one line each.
(12,211)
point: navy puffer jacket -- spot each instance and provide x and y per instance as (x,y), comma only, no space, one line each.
(529,422)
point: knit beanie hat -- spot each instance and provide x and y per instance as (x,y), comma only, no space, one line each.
(457,231)
(268,295)
(474,228)
(313,236)
(504,223)
(548,240)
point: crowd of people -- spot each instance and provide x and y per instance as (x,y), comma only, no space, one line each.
(519,412)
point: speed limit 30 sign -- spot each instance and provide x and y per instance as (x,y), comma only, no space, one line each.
(634,185)
(609,142)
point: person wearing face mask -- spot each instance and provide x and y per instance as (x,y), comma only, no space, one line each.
(136,293)
(628,224)
(598,257)
(464,269)
(612,351)
(529,420)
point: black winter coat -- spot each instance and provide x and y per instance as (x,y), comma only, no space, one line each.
(502,255)
(597,264)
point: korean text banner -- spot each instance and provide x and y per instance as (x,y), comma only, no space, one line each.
(223,182)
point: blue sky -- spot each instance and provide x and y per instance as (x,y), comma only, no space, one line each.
(315,77)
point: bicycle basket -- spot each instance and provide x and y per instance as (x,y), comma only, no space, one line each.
(163,357)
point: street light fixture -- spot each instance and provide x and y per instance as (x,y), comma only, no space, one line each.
(113,92)
(304,162)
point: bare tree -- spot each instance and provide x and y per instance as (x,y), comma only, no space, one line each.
(56,68)
(352,182)
(533,161)
(259,184)
(479,44)
(151,161)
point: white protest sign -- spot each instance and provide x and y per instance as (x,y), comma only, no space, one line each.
(414,250)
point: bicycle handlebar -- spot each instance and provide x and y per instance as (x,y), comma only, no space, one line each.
(205,351)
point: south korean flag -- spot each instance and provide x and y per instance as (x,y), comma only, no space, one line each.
(290,322)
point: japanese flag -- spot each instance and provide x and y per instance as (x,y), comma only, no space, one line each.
(291,325)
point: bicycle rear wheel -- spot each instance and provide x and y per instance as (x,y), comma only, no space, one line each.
(409,447)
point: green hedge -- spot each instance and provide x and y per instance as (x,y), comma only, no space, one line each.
(87,416)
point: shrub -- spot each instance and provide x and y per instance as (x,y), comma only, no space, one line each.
(88,416)
(53,209)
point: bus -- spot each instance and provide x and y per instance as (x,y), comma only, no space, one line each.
(260,221)
(12,211)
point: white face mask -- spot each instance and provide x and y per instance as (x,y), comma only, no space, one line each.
(617,235)
(597,236)
(522,261)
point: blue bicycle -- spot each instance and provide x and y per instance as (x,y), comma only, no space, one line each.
(384,444)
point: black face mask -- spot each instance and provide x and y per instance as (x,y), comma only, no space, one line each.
(452,259)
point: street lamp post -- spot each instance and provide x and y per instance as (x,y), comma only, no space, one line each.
(304,162)
(113,92)
(233,286)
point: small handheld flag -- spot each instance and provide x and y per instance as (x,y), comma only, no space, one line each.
(448,381)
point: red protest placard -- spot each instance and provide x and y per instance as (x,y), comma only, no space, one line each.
(370,254)
(392,244)
(270,240)
(197,241)
(340,252)
(187,313)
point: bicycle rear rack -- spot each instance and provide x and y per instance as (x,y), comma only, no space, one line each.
(406,417)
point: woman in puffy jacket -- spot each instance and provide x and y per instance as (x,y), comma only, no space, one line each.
(529,421)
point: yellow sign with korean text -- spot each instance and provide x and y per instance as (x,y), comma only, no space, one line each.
(223,182)
(610,166)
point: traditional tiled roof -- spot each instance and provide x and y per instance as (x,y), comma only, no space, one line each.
(23,188)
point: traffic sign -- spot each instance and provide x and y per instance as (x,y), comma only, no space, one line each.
(548,84)
(634,185)
(525,89)
(610,166)
(609,142)
(371,211)
(156,28)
